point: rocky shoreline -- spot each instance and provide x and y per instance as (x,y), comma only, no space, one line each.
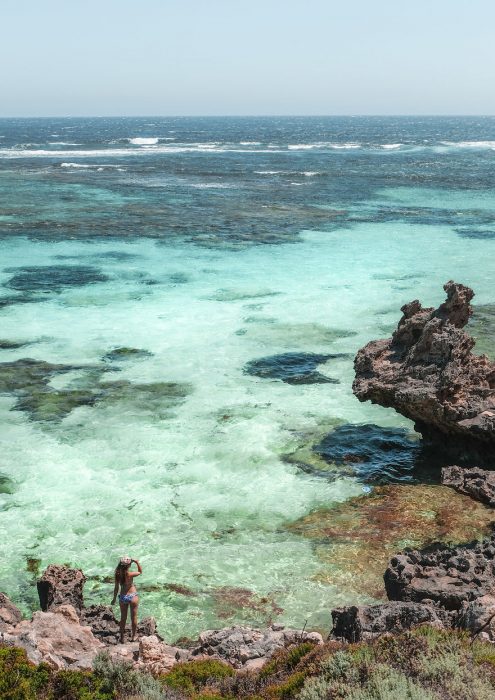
(427,372)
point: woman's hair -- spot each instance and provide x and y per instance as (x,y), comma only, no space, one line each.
(121,571)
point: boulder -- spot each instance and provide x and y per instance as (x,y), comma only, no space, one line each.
(56,638)
(245,647)
(61,585)
(355,623)
(10,616)
(448,576)
(157,657)
(428,373)
(475,482)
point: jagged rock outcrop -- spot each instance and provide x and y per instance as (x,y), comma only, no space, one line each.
(428,373)
(244,647)
(354,623)
(60,585)
(10,616)
(57,638)
(475,482)
(449,577)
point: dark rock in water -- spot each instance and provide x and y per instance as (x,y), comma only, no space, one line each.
(292,368)
(178,278)
(355,623)
(6,484)
(10,616)
(17,299)
(28,374)
(124,353)
(475,482)
(427,372)
(448,576)
(28,381)
(60,585)
(375,454)
(53,278)
(11,345)
(476,234)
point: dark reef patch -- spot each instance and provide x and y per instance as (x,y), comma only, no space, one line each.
(6,484)
(376,455)
(29,382)
(178,278)
(53,278)
(12,344)
(475,234)
(292,367)
(123,353)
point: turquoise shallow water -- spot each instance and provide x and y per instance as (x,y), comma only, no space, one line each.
(236,240)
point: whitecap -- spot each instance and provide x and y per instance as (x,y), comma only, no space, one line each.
(144,141)
(391,146)
(250,143)
(470,144)
(96,166)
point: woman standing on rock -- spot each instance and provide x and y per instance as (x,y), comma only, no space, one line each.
(128,593)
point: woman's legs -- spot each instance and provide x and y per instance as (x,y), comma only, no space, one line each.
(134,610)
(123,620)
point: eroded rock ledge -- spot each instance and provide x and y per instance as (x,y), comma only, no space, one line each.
(66,634)
(428,373)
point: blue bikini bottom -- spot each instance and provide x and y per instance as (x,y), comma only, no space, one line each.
(127,597)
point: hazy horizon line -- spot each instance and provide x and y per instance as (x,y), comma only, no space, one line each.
(247,116)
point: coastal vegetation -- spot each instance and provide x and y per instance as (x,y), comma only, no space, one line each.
(423,664)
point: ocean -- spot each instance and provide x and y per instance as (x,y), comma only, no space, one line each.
(181,301)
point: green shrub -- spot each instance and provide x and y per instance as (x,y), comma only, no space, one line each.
(193,676)
(19,679)
(120,679)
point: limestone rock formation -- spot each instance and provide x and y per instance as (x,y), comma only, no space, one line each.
(56,638)
(157,657)
(355,623)
(10,616)
(61,585)
(244,647)
(475,482)
(428,373)
(449,577)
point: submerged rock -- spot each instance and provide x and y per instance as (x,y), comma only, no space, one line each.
(375,454)
(29,380)
(292,368)
(243,604)
(355,623)
(11,344)
(124,353)
(427,372)
(475,482)
(354,540)
(482,327)
(53,278)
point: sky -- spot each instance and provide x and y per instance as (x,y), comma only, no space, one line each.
(246,57)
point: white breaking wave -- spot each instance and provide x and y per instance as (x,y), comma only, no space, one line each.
(250,143)
(391,146)
(93,166)
(213,186)
(306,173)
(144,141)
(63,143)
(470,144)
(323,144)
